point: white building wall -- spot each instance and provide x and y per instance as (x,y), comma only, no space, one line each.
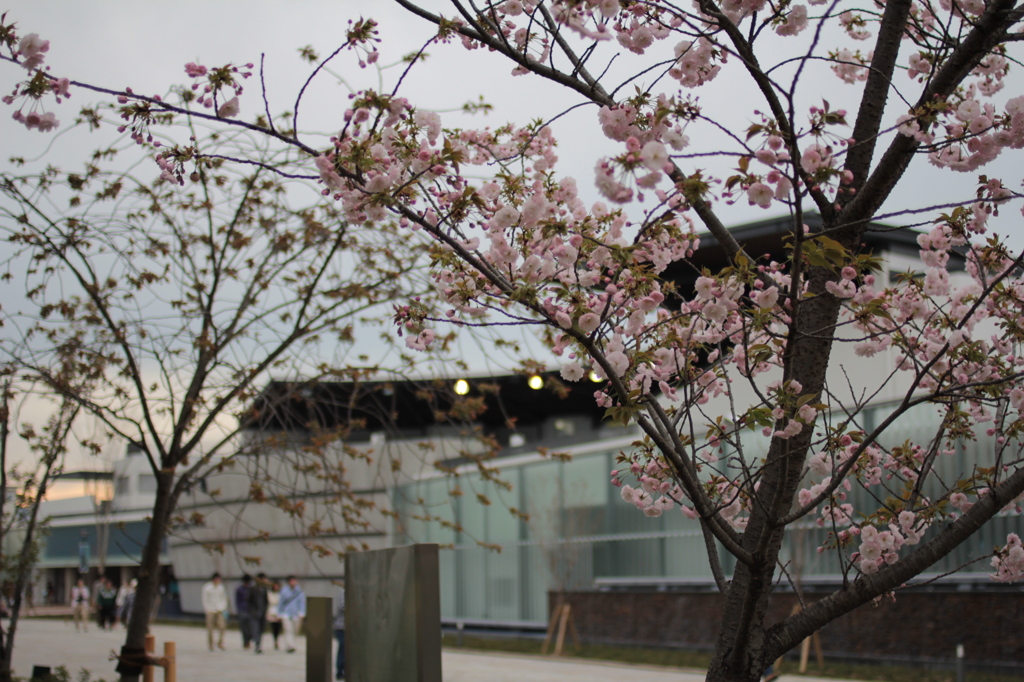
(287,512)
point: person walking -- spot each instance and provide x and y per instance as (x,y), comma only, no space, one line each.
(258,610)
(339,633)
(125,611)
(106,604)
(80,605)
(122,595)
(273,599)
(242,610)
(30,594)
(291,609)
(215,606)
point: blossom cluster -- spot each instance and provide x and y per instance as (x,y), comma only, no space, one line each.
(30,52)
(1009,561)
(210,84)
(975,132)
(657,493)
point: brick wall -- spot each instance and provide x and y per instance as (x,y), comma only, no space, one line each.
(921,626)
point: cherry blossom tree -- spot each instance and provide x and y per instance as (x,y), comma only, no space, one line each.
(178,295)
(752,348)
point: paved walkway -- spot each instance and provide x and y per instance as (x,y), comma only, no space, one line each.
(54,642)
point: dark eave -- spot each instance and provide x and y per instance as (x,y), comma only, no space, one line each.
(409,408)
(86,476)
(764,241)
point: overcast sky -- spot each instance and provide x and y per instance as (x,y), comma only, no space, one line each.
(146,44)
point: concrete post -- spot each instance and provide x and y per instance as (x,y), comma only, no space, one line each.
(319,639)
(393,615)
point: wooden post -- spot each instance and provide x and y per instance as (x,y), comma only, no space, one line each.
(170,662)
(147,670)
(563,621)
(319,638)
(573,632)
(555,613)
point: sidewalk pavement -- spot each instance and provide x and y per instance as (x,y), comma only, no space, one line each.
(54,642)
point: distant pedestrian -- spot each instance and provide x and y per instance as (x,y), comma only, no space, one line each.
(80,605)
(258,610)
(292,609)
(30,593)
(125,611)
(273,599)
(242,610)
(122,595)
(94,591)
(215,606)
(106,604)
(339,633)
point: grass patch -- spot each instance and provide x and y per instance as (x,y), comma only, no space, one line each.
(690,659)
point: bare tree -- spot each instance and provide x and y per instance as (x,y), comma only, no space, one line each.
(25,485)
(180,299)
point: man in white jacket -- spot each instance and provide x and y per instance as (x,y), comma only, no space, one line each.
(215,604)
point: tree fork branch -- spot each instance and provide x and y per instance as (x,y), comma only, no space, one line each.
(784,636)
(876,90)
(552,74)
(991,29)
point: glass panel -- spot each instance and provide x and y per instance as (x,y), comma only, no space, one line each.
(502,525)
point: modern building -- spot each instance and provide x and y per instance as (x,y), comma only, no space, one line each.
(99,534)
(328,468)
(510,475)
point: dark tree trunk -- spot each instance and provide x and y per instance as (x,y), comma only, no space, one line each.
(148,589)
(740,652)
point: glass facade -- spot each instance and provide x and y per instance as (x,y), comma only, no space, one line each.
(497,566)
(124,542)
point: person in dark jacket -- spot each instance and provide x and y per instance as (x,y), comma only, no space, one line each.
(242,610)
(106,604)
(258,609)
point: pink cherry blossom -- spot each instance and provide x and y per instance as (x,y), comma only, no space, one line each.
(195,70)
(794,22)
(760,194)
(328,174)
(589,322)
(32,48)
(572,372)
(229,109)
(654,156)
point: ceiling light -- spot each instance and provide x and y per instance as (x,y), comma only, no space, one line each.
(535,382)
(462,387)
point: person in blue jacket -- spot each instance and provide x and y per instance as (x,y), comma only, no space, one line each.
(292,609)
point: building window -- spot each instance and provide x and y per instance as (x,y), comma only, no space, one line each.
(147,483)
(121,487)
